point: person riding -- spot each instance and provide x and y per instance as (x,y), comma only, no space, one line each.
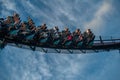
(56,33)
(41,33)
(12,22)
(44,28)
(76,34)
(88,37)
(66,35)
(55,36)
(1,22)
(77,37)
(65,32)
(23,30)
(31,24)
(2,26)
(9,21)
(6,24)
(17,20)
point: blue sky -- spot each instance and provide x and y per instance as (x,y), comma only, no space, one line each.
(102,16)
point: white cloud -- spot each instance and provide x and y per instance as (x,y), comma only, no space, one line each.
(108,70)
(98,19)
(8,5)
(24,64)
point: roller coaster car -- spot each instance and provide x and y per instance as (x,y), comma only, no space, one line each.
(55,39)
(3,43)
(56,42)
(3,32)
(13,33)
(96,45)
(67,43)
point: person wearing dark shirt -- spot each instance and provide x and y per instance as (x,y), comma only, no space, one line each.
(88,37)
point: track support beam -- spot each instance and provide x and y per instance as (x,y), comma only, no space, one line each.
(44,50)
(58,50)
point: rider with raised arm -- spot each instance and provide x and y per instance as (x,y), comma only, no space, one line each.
(12,22)
(17,20)
(23,30)
(31,25)
(41,34)
(1,23)
(2,26)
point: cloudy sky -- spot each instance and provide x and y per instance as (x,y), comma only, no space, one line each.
(102,16)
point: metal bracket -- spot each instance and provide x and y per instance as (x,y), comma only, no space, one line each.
(44,50)
(58,50)
(70,51)
(101,41)
(18,45)
(33,48)
(2,43)
(96,51)
(83,51)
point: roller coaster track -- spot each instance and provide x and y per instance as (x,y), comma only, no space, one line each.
(99,45)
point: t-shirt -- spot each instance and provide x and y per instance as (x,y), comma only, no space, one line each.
(69,37)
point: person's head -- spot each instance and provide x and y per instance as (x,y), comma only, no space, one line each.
(43,26)
(88,30)
(66,29)
(77,30)
(9,17)
(15,15)
(30,22)
(24,23)
(29,19)
(56,28)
